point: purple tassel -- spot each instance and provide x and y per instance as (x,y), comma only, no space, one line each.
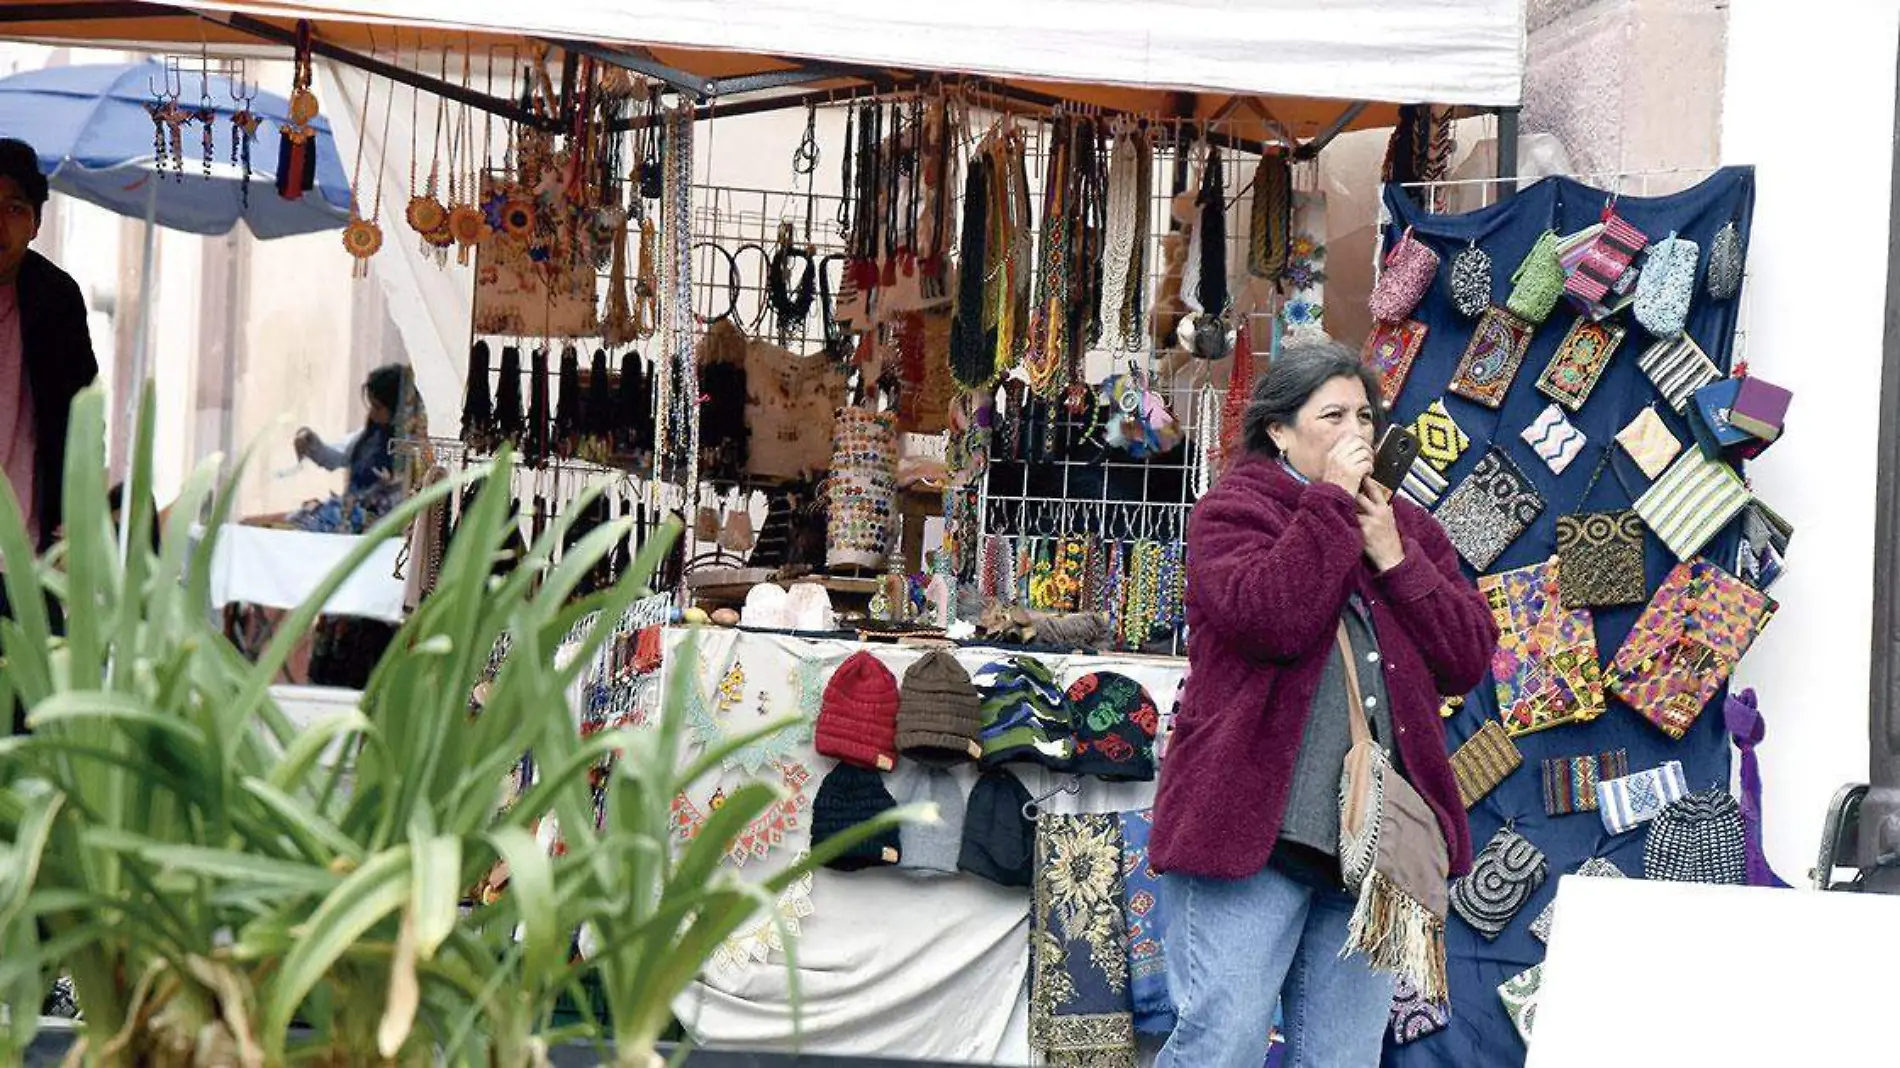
(1745,725)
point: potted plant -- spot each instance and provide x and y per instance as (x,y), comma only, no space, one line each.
(227,888)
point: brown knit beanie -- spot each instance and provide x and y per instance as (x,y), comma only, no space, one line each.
(940,715)
(858,721)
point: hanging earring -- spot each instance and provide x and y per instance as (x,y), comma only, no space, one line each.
(244,124)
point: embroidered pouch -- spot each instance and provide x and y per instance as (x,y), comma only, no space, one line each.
(1440,439)
(1570,783)
(1709,421)
(1470,281)
(1413,1017)
(1519,994)
(1605,261)
(1666,285)
(1634,800)
(1486,759)
(1554,439)
(1698,839)
(1764,546)
(1692,502)
(1492,358)
(1538,281)
(1489,509)
(1678,367)
(1725,262)
(1410,266)
(1759,407)
(1579,362)
(1504,875)
(1424,485)
(1600,555)
(1594,868)
(1545,666)
(1648,441)
(1390,350)
(1685,643)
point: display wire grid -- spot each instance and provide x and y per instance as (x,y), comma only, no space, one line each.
(1105,493)
(1456,195)
(1096,492)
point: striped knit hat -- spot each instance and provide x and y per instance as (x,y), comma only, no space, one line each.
(1026,716)
(858,721)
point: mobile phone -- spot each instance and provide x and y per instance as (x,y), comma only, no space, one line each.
(1393,459)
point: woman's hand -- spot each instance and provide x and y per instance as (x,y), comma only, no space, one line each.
(303,442)
(1379,526)
(1348,463)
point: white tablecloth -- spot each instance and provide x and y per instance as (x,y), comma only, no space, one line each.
(890,964)
(280,568)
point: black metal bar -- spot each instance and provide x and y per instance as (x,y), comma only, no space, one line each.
(640,61)
(771,79)
(787,101)
(1319,141)
(370,64)
(1507,153)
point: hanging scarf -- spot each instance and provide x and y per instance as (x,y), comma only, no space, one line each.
(972,354)
(1141,909)
(1080,1012)
(1744,722)
(1270,223)
(478,409)
(1212,236)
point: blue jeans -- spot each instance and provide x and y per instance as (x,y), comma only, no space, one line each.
(1236,946)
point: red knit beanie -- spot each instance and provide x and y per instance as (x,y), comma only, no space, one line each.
(858,721)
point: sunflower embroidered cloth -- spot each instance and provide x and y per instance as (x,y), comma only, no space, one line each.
(1081,1012)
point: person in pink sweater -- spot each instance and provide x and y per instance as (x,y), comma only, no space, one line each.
(1292,542)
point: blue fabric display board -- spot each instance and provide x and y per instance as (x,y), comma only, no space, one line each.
(1479,1033)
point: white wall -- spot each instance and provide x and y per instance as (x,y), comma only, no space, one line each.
(1810,102)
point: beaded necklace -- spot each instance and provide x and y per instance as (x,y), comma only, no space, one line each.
(1113,588)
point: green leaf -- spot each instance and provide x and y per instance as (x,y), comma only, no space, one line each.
(531,884)
(436,890)
(368,896)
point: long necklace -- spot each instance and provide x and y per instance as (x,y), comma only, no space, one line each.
(1046,359)
(1124,242)
(677,432)
(1207,440)
(363,237)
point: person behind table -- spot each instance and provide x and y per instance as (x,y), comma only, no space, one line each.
(45,347)
(370,487)
(45,357)
(1294,540)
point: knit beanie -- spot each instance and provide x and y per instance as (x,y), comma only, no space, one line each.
(1115,723)
(858,721)
(1699,838)
(848,797)
(998,842)
(939,714)
(1025,714)
(931,848)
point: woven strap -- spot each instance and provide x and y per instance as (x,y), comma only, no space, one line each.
(1356,710)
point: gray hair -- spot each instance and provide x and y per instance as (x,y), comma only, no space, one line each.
(1292,380)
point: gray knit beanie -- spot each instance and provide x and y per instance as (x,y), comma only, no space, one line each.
(930,849)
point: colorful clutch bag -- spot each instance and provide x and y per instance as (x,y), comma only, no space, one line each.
(1519,995)
(1600,558)
(1440,439)
(1545,666)
(1579,362)
(1686,642)
(1570,783)
(1648,441)
(1407,275)
(1389,351)
(1666,285)
(1538,281)
(1489,509)
(1492,358)
(1692,502)
(1486,759)
(1604,262)
(1555,439)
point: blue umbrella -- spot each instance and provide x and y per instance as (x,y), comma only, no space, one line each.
(94,135)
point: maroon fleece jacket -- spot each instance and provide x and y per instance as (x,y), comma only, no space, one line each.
(1271,563)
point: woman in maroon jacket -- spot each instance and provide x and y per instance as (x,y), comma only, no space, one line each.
(1294,541)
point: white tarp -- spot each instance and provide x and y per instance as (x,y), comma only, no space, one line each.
(1401,51)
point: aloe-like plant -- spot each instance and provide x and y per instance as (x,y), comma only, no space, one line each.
(227,888)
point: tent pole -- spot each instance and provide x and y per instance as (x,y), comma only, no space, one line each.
(141,346)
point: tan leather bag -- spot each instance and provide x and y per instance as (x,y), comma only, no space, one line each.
(1392,853)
